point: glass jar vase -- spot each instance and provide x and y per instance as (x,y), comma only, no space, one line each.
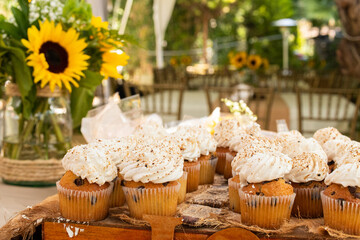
(45,135)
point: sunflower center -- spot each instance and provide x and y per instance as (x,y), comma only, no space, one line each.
(240,59)
(56,56)
(252,62)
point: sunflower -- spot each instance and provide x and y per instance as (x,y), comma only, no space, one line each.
(173,61)
(254,62)
(238,60)
(56,56)
(98,23)
(186,60)
(111,60)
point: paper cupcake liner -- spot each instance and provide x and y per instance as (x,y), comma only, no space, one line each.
(82,205)
(265,212)
(207,170)
(341,215)
(228,169)
(307,203)
(117,197)
(182,191)
(160,201)
(193,177)
(220,167)
(234,198)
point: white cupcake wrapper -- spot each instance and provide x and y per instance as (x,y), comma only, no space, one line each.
(83,205)
(234,198)
(341,215)
(308,202)
(228,173)
(152,201)
(207,171)
(117,198)
(265,212)
(182,191)
(193,177)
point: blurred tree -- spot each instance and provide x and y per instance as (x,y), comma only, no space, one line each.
(318,12)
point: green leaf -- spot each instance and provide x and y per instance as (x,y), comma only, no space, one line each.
(91,80)
(80,103)
(10,29)
(22,76)
(21,20)
(24,4)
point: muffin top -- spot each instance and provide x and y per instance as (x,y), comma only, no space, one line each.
(187,143)
(206,141)
(325,134)
(335,148)
(155,161)
(265,166)
(71,181)
(345,175)
(307,167)
(349,153)
(294,147)
(90,163)
(243,155)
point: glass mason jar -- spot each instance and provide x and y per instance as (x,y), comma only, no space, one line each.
(46,134)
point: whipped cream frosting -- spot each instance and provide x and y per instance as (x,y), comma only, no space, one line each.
(237,143)
(307,167)
(335,148)
(151,128)
(156,161)
(265,166)
(243,155)
(295,146)
(206,141)
(187,143)
(346,175)
(90,163)
(349,153)
(326,134)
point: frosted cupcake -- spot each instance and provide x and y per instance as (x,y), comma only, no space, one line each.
(208,158)
(190,152)
(306,176)
(234,183)
(265,198)
(341,200)
(84,190)
(294,147)
(151,179)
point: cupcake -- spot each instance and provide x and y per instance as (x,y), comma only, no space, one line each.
(341,200)
(208,158)
(183,185)
(234,183)
(306,176)
(265,198)
(151,178)
(294,147)
(84,191)
(338,151)
(190,152)
(326,134)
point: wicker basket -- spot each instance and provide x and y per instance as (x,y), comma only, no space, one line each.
(32,171)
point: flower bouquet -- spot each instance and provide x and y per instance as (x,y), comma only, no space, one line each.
(53,55)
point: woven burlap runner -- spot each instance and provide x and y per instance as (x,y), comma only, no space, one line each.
(38,170)
(12,89)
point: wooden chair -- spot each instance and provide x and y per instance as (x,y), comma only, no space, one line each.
(328,104)
(163,99)
(260,100)
(288,83)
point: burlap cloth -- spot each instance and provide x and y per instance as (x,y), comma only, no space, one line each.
(205,208)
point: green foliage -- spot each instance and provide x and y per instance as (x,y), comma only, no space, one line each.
(318,12)
(79,10)
(79,109)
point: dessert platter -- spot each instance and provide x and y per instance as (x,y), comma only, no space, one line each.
(197,182)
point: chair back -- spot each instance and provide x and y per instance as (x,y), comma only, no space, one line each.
(259,100)
(164,99)
(288,83)
(324,105)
